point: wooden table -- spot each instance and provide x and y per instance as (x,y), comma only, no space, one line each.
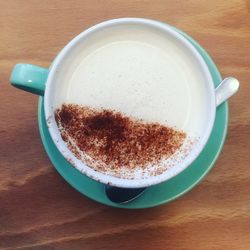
(39,210)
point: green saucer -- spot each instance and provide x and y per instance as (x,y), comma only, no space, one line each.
(158,194)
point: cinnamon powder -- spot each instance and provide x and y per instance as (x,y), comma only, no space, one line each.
(115,139)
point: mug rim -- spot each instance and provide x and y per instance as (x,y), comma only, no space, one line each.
(90,172)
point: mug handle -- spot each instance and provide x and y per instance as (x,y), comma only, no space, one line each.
(29,77)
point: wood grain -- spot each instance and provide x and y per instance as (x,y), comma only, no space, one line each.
(38,210)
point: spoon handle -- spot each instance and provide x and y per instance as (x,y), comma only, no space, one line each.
(226,89)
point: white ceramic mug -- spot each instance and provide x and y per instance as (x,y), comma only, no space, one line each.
(42,81)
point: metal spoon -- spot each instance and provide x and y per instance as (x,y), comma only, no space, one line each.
(123,195)
(225,90)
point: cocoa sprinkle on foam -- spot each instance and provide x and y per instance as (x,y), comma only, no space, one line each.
(115,141)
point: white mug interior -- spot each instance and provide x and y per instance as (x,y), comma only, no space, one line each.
(63,62)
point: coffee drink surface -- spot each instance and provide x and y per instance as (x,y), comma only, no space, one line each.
(132,102)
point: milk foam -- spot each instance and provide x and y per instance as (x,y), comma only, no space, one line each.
(141,73)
